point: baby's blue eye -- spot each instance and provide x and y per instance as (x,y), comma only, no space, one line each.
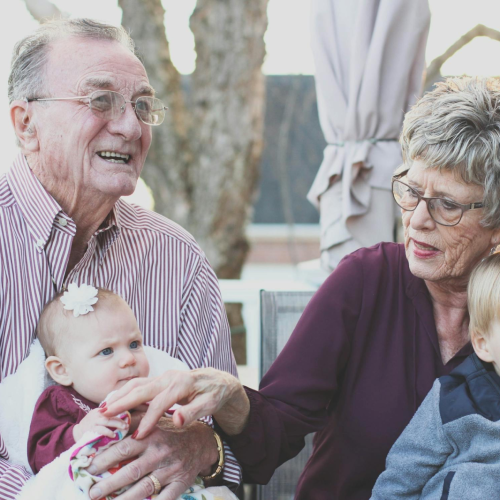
(134,345)
(107,352)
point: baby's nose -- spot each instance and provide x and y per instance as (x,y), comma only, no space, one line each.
(127,359)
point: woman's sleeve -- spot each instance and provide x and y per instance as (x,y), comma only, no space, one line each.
(417,455)
(302,383)
(51,431)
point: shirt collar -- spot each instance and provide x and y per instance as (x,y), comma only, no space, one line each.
(38,207)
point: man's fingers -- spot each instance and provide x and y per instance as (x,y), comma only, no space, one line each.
(115,454)
(127,475)
(173,491)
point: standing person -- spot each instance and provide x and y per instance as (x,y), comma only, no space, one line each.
(387,322)
(82,109)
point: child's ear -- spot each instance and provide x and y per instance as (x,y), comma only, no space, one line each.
(481,347)
(57,371)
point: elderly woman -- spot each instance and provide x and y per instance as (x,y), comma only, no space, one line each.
(385,324)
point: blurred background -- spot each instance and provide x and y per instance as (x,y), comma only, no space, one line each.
(242,145)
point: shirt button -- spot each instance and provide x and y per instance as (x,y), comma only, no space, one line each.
(62,221)
(40,243)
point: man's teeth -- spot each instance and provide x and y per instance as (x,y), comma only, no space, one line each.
(113,157)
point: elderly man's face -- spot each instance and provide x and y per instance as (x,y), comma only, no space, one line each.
(72,139)
(437,252)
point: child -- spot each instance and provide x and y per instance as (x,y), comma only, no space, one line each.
(89,356)
(93,346)
(451,448)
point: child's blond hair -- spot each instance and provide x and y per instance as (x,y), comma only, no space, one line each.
(483,295)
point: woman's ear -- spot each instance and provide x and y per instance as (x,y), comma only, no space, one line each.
(58,371)
(481,346)
(24,128)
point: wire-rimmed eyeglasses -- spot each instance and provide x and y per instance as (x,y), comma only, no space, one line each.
(109,105)
(443,211)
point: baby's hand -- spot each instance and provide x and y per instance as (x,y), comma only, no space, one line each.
(95,421)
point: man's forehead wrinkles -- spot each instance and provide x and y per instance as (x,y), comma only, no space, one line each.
(104,83)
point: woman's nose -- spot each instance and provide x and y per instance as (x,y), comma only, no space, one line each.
(420,218)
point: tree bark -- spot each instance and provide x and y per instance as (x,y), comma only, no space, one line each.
(203,164)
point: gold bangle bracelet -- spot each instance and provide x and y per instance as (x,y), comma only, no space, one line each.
(220,449)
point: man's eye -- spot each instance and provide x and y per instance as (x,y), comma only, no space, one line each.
(134,345)
(106,352)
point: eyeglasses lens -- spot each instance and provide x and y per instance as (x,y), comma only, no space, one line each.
(441,210)
(150,110)
(107,105)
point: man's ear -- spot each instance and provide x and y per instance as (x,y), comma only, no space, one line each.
(24,127)
(58,371)
(481,347)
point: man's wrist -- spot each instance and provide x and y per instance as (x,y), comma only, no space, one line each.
(210,447)
(218,466)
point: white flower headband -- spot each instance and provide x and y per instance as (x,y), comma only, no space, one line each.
(79,299)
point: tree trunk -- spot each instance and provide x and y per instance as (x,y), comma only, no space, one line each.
(203,164)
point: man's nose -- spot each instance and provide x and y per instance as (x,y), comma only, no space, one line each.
(127,124)
(421,218)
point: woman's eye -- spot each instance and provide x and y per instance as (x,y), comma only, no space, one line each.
(449,205)
(106,352)
(134,345)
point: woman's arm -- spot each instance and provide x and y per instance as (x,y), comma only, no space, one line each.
(417,455)
(265,429)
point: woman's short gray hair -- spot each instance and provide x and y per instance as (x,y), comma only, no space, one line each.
(30,53)
(457,127)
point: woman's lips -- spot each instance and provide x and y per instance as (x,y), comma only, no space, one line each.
(423,250)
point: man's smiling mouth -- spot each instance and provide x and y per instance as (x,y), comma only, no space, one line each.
(114,157)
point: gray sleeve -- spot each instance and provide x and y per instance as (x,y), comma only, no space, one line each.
(417,455)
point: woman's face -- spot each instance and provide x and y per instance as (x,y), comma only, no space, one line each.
(437,252)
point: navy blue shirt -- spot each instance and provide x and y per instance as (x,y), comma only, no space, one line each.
(361,360)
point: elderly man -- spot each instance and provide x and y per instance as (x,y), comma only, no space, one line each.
(82,110)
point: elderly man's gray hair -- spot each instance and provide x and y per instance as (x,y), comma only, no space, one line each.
(30,54)
(457,127)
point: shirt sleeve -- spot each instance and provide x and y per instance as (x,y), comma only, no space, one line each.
(299,389)
(51,431)
(12,479)
(205,336)
(417,455)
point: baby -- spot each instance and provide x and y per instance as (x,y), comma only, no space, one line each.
(89,356)
(451,448)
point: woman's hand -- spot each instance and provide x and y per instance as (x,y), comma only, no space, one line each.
(175,456)
(202,392)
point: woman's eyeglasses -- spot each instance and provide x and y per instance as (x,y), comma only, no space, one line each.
(109,105)
(443,211)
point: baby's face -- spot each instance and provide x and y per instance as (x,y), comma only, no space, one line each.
(106,353)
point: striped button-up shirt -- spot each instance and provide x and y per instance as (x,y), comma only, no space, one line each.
(155,265)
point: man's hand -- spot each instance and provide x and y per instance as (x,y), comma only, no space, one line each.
(175,456)
(95,421)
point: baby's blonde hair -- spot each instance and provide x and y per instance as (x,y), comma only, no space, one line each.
(483,295)
(54,323)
